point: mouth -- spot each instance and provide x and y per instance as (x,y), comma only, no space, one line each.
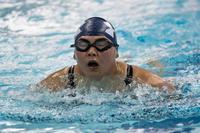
(92,64)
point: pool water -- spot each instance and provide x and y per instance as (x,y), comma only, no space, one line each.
(161,36)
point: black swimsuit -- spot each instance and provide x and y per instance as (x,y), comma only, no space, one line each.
(71,83)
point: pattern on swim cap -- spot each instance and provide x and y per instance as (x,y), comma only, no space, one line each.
(109,30)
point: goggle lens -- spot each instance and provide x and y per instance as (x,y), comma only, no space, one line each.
(100,45)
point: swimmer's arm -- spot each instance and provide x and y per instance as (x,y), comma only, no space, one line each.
(55,81)
(144,76)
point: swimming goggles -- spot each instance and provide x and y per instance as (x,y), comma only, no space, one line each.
(100,44)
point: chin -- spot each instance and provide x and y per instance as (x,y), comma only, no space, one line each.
(94,74)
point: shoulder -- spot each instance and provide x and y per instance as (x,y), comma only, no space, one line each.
(137,71)
(123,68)
(56,80)
(145,75)
(140,72)
(59,73)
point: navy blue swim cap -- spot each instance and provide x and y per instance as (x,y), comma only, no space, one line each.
(96,26)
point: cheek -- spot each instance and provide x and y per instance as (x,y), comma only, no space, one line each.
(79,56)
(108,56)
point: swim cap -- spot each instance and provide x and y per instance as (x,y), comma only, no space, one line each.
(96,26)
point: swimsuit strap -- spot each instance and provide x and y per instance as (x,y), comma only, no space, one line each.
(129,75)
(71,83)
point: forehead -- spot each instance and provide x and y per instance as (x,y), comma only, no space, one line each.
(93,37)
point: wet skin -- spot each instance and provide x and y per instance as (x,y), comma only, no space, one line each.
(95,65)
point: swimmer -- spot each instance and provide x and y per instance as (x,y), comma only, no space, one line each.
(96,51)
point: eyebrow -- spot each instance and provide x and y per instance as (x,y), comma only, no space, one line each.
(83,39)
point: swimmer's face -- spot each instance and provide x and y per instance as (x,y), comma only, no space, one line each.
(94,63)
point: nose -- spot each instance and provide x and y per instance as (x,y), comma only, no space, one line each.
(92,52)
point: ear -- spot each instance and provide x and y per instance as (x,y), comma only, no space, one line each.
(74,56)
(117,55)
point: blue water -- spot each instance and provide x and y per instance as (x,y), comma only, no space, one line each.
(161,36)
